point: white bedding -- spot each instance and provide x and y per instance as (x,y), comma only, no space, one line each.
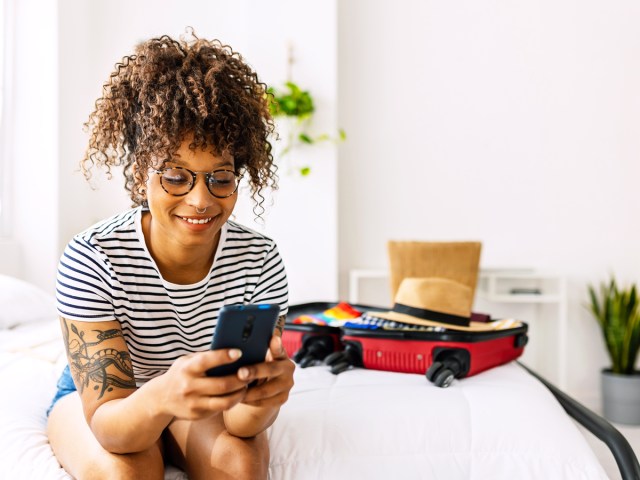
(501,424)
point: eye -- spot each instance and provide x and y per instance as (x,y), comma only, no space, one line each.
(176,176)
(222,178)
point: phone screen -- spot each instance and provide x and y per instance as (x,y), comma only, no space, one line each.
(246,327)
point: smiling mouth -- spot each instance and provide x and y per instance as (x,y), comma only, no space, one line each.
(197,221)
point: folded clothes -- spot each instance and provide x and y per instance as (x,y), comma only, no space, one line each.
(333,317)
(369,322)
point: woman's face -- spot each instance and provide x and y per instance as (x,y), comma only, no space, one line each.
(174,220)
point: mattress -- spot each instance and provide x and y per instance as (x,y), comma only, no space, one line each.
(500,424)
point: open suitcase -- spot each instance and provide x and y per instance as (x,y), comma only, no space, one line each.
(441,356)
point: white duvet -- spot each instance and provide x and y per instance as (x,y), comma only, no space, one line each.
(500,424)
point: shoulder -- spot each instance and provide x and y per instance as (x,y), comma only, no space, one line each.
(237,232)
(111,236)
(122,225)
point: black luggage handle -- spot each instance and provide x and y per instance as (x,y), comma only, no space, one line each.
(623,453)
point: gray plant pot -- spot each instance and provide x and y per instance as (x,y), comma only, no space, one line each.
(621,397)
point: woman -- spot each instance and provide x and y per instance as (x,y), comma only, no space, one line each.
(139,293)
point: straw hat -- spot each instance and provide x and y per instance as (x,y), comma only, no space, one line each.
(457,261)
(437,302)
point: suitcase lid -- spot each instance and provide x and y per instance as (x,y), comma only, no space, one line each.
(446,336)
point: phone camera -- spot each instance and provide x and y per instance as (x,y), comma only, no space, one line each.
(248,328)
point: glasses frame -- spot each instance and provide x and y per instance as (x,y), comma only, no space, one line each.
(194,176)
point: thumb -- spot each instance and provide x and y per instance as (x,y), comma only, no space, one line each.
(276,350)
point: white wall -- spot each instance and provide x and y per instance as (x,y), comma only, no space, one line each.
(512,123)
(30,251)
(94,35)
(517,124)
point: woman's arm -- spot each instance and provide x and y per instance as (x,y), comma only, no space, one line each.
(101,368)
(127,419)
(262,403)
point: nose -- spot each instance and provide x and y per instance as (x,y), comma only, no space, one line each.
(199,197)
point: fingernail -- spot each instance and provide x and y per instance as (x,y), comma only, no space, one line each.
(235,353)
(279,342)
(243,373)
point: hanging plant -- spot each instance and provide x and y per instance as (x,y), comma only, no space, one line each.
(296,104)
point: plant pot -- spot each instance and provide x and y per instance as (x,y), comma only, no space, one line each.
(621,397)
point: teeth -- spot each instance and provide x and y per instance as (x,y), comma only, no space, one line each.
(197,221)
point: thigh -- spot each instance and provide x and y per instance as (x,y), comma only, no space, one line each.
(81,455)
(205,450)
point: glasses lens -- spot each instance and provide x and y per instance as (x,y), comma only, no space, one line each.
(176,181)
(223,183)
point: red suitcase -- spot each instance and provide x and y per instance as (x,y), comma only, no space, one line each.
(442,356)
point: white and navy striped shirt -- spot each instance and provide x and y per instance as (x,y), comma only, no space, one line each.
(106,273)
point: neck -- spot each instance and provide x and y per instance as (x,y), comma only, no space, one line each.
(178,263)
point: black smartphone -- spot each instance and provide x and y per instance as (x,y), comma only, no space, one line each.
(246,327)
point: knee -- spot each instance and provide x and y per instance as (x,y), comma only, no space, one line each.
(147,465)
(246,458)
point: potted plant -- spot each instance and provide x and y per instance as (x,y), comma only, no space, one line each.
(618,314)
(296,105)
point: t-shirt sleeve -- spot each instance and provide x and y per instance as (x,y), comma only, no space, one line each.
(83,284)
(272,286)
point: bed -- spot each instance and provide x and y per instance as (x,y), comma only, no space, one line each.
(505,423)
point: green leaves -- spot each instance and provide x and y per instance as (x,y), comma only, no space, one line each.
(618,314)
(297,105)
(304,138)
(294,102)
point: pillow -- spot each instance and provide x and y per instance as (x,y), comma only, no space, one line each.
(23,302)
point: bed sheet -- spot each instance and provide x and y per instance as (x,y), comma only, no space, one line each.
(31,360)
(500,424)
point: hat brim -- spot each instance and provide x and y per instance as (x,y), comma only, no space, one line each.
(473,326)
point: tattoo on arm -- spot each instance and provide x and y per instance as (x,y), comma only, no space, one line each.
(280,324)
(106,367)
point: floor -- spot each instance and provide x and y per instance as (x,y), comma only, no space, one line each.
(631,433)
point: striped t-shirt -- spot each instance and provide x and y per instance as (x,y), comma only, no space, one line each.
(106,273)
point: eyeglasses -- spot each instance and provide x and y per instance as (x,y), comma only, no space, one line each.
(179,181)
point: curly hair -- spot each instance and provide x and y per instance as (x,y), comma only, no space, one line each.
(169,89)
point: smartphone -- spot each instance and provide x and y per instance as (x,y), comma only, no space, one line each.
(246,327)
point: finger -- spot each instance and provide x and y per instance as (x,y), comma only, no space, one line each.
(218,403)
(276,368)
(276,349)
(200,362)
(217,386)
(267,389)
(265,401)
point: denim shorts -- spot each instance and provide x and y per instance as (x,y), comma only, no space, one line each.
(65,387)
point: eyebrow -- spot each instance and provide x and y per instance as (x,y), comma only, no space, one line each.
(223,163)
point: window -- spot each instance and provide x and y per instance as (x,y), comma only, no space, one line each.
(5,123)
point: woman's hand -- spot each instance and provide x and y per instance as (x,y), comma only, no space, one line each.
(274,377)
(186,392)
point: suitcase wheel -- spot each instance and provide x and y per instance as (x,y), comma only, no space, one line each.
(339,367)
(440,374)
(448,363)
(333,358)
(299,355)
(432,370)
(306,361)
(443,378)
(341,361)
(314,349)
